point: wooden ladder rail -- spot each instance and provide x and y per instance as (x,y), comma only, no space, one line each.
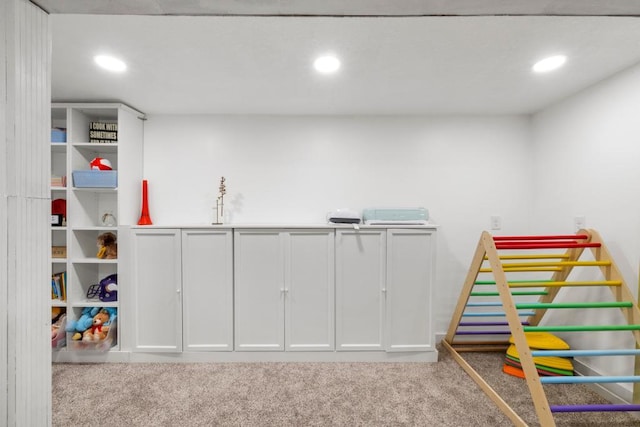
(620,293)
(538,396)
(486,248)
(465,293)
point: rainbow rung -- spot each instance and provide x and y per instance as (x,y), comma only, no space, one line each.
(595,408)
(590,380)
(578,353)
(580,328)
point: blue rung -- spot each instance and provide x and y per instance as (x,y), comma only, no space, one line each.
(574,353)
(484,304)
(590,380)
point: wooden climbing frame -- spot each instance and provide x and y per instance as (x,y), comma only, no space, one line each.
(503,257)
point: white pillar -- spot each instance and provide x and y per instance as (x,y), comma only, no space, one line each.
(25,103)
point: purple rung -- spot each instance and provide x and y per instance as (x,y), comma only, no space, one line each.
(594,408)
(483,333)
(488,323)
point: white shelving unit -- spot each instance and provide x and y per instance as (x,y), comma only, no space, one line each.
(86,207)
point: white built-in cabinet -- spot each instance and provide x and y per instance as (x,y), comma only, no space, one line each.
(383,289)
(408,290)
(183,294)
(284,290)
(252,293)
(360,289)
(207,290)
(156,291)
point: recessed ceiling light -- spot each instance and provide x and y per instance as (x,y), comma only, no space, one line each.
(326,64)
(549,64)
(110,63)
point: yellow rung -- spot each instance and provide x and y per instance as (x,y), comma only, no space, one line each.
(507,270)
(543,256)
(556,284)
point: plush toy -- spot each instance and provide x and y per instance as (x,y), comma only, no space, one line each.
(99,327)
(83,323)
(107,246)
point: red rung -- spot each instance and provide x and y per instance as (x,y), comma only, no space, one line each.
(536,242)
(553,237)
(553,245)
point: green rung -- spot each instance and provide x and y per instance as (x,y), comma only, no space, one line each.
(614,304)
(575,328)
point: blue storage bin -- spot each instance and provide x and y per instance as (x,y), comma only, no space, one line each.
(58,135)
(95,179)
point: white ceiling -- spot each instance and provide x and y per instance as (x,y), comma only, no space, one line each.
(342,7)
(391,65)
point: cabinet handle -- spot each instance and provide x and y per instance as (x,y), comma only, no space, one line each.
(284,290)
(384,290)
(177,291)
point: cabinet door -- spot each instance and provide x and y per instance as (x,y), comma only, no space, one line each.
(207,290)
(156,311)
(409,282)
(259,290)
(360,277)
(309,290)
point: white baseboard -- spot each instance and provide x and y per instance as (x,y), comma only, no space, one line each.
(66,356)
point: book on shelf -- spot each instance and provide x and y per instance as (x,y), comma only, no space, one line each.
(59,286)
(58,181)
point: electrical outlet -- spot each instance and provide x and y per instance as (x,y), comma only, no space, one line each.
(496,222)
(579,222)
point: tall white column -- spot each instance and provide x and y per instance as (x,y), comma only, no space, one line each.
(25,239)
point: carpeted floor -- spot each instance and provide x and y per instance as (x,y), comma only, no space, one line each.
(303,394)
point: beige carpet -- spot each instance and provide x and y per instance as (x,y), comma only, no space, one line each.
(303,394)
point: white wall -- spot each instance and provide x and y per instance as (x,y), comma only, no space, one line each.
(587,162)
(293,169)
(577,158)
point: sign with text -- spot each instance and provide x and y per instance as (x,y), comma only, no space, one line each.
(103,132)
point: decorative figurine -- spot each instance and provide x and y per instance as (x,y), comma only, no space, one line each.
(220,202)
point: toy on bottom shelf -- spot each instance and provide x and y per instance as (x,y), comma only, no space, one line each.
(99,327)
(94,324)
(107,246)
(58,319)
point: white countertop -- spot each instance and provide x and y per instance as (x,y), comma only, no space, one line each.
(289,226)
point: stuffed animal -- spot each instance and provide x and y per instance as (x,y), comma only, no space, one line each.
(83,323)
(107,246)
(99,327)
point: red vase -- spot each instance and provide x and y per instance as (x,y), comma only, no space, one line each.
(145,219)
